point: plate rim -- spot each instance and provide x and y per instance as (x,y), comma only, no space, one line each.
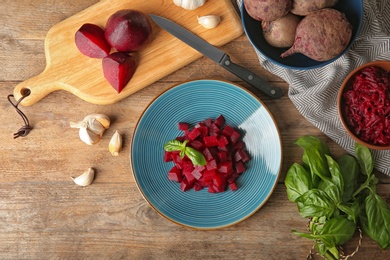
(258,207)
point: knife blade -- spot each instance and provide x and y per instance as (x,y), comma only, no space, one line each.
(216,55)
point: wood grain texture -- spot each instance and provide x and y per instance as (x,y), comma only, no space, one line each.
(44,215)
(67,69)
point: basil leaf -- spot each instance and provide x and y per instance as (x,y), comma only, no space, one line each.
(297,181)
(195,156)
(352,210)
(364,159)
(349,169)
(378,219)
(314,155)
(337,231)
(174,145)
(331,190)
(334,170)
(315,203)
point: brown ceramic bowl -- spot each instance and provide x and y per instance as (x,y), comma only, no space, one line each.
(340,102)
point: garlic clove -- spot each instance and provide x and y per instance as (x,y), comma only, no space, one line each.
(115,144)
(95,126)
(189,4)
(209,21)
(92,127)
(85,178)
(89,137)
(102,119)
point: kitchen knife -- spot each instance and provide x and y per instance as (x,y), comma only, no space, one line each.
(216,55)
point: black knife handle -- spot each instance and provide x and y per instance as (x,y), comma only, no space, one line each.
(250,77)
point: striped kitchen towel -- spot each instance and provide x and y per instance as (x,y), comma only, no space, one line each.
(314,92)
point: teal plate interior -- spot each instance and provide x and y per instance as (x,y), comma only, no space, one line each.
(193,102)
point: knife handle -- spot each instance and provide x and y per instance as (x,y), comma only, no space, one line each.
(250,77)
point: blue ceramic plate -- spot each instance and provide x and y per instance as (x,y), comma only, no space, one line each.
(193,102)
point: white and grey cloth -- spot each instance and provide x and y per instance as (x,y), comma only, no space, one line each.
(314,92)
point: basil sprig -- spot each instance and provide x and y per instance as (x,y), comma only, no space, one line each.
(196,157)
(327,192)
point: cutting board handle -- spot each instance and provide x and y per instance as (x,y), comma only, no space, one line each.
(39,86)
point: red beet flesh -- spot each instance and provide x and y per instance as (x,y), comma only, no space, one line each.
(118,69)
(223,149)
(367,106)
(91,42)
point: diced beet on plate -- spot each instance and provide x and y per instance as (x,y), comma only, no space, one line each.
(224,151)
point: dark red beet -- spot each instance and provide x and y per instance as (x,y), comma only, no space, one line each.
(91,42)
(118,69)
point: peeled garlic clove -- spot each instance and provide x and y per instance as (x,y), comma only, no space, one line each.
(86,178)
(89,137)
(189,4)
(209,21)
(115,144)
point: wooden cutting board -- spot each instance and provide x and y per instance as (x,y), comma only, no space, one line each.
(67,69)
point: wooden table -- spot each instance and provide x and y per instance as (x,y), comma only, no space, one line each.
(44,215)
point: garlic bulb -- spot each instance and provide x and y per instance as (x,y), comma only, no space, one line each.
(92,128)
(86,178)
(209,21)
(189,4)
(115,144)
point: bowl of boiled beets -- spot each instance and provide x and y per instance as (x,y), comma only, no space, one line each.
(301,34)
(364,104)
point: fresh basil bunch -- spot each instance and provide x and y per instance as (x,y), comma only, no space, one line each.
(328,193)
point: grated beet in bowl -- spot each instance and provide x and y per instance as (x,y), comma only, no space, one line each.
(366,106)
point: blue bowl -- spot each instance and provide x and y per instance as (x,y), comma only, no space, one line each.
(353,10)
(193,102)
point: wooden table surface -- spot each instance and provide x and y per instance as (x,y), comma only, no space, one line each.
(44,215)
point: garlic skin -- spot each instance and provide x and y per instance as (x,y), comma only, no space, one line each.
(115,144)
(209,21)
(189,4)
(85,178)
(92,128)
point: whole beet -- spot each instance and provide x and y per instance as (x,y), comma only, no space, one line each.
(281,32)
(267,10)
(321,35)
(304,7)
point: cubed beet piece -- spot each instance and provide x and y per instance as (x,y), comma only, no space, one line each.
(209,176)
(181,138)
(222,156)
(185,185)
(240,168)
(214,130)
(228,130)
(212,165)
(233,186)
(219,121)
(235,136)
(241,155)
(183,126)
(198,186)
(207,154)
(210,141)
(193,134)
(204,131)
(175,174)
(225,167)
(197,145)
(167,156)
(223,141)
(197,174)
(208,122)
(238,145)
